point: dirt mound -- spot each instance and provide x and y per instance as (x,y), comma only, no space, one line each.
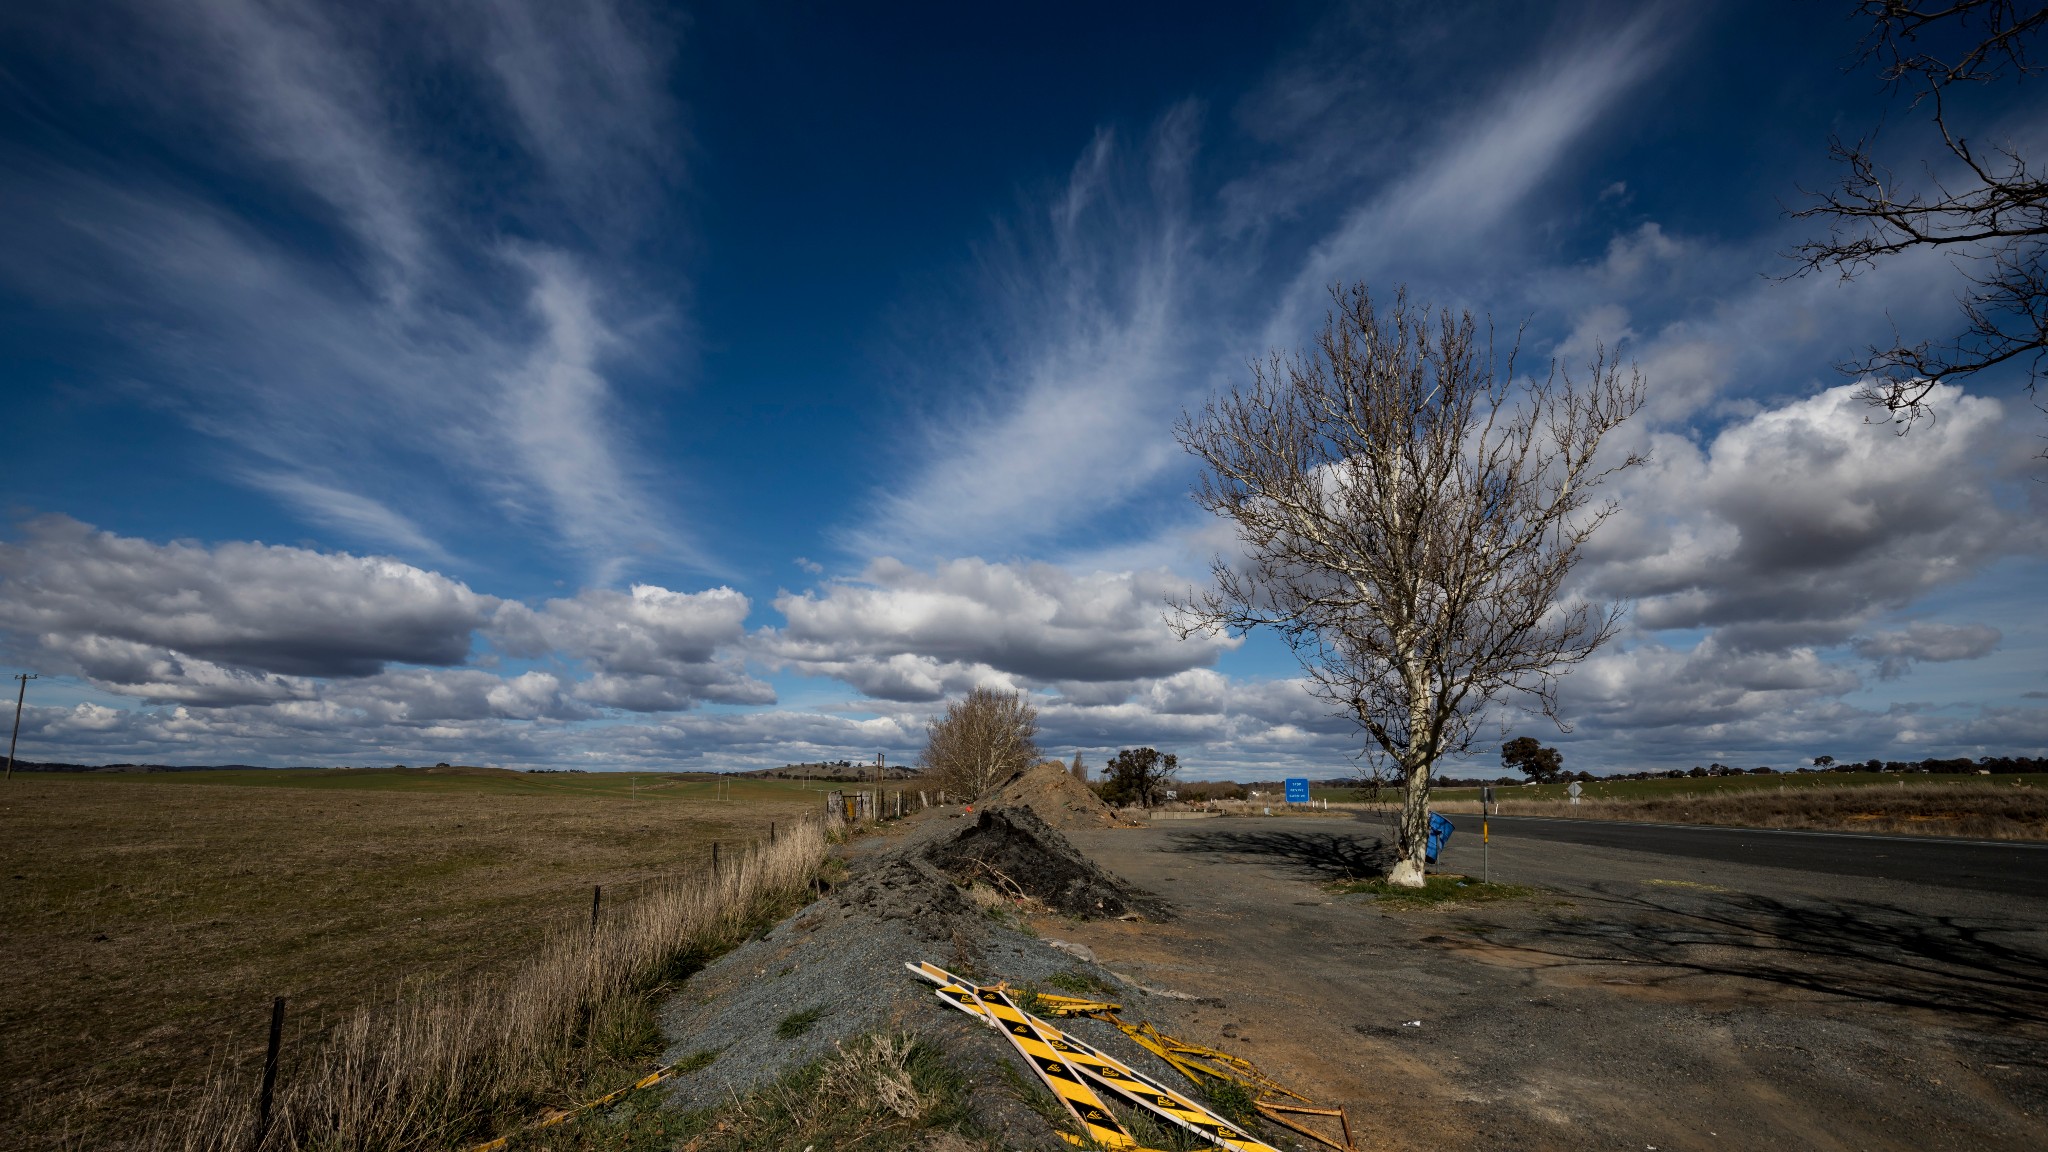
(1059,799)
(1014,851)
(834,971)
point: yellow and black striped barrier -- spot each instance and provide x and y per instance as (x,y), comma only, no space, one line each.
(1100,1129)
(1122,1082)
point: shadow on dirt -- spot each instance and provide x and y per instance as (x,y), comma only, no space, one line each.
(1862,950)
(1324,855)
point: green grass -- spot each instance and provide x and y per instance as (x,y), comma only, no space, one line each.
(695,1062)
(1233,1102)
(797,1023)
(1711,785)
(1441,888)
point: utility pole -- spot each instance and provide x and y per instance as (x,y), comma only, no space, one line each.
(24,677)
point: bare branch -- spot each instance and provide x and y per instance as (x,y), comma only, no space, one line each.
(1407,518)
(1994,222)
(981,741)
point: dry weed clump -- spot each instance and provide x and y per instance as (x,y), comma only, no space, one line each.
(434,1066)
(875,1091)
(1980,811)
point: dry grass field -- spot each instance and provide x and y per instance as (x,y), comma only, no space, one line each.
(1981,807)
(150,919)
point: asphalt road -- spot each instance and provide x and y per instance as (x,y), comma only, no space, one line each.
(2014,868)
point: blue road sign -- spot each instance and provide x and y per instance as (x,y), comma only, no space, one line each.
(1297,790)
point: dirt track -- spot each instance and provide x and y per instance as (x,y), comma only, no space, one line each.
(1639,1002)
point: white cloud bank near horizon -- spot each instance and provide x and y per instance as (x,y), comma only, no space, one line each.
(1774,569)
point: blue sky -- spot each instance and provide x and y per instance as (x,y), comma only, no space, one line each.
(612,385)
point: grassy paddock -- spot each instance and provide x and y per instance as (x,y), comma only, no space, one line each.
(151,918)
(468,1059)
(2011,807)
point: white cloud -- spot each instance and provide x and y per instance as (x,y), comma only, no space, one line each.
(235,621)
(1450,205)
(1070,413)
(359,516)
(1893,651)
(907,634)
(587,81)
(377,353)
(1799,523)
(648,650)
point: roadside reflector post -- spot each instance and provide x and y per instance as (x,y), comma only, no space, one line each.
(1485,833)
(269,1073)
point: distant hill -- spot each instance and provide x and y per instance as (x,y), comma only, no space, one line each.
(54,766)
(57,766)
(841,771)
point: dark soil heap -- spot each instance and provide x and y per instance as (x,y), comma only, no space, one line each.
(1059,799)
(1013,851)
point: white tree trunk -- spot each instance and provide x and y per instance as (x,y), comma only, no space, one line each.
(1408,871)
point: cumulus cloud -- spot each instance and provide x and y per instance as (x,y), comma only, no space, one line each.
(329,639)
(902,633)
(1799,523)
(1894,651)
(452,715)
(236,621)
(648,649)
(1762,558)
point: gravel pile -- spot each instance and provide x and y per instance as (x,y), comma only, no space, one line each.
(835,970)
(1059,799)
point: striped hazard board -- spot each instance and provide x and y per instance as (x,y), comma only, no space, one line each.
(1101,1129)
(1123,1083)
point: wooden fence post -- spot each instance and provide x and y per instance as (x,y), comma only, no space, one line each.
(269,1073)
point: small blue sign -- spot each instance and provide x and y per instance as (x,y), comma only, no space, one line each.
(1297,790)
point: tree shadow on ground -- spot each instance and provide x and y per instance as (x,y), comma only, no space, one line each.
(1862,950)
(1324,855)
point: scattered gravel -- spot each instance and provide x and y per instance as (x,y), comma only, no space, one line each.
(842,957)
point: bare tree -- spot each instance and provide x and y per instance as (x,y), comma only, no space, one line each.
(1078,770)
(1990,211)
(981,741)
(1407,517)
